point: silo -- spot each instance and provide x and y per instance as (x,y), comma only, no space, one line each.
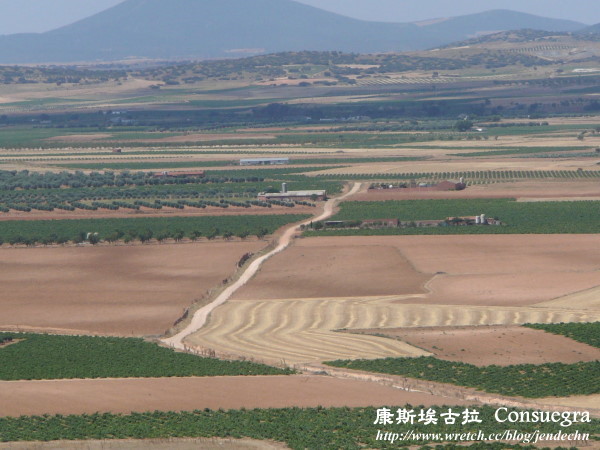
(483,221)
(284,188)
(477,220)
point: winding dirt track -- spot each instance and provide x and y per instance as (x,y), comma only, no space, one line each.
(200,317)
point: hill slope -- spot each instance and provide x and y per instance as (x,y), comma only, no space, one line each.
(220,28)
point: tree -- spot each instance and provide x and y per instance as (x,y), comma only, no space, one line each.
(242,234)
(463,125)
(261,233)
(195,235)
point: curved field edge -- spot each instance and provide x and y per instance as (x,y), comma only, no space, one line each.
(348,428)
(523,380)
(45,357)
(588,333)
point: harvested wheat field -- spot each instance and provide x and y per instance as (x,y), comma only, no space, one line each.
(317,268)
(590,299)
(116,290)
(303,330)
(474,280)
(188,394)
(493,345)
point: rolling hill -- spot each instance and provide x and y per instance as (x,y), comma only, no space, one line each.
(196,29)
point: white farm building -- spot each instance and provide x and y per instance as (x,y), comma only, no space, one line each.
(264,161)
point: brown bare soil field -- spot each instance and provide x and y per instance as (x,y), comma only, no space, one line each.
(187,394)
(148,444)
(521,190)
(502,270)
(150,212)
(114,290)
(316,268)
(493,345)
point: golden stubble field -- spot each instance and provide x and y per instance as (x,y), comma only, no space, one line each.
(291,310)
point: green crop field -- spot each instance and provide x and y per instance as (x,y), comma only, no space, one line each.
(588,333)
(517,218)
(525,380)
(56,230)
(45,357)
(311,428)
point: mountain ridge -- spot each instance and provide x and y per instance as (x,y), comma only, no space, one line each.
(202,29)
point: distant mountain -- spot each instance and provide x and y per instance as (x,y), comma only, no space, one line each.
(472,25)
(594,29)
(192,29)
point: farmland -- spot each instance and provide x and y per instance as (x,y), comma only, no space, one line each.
(347,428)
(44,357)
(117,290)
(24,192)
(517,218)
(588,333)
(232,392)
(545,380)
(500,345)
(142,229)
(96,241)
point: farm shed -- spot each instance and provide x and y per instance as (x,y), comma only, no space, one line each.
(264,161)
(293,195)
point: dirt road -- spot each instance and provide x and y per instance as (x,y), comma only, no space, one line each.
(199,318)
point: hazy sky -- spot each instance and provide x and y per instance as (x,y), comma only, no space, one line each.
(19,16)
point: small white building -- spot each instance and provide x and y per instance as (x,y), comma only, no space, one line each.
(264,161)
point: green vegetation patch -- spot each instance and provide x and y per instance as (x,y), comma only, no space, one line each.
(525,380)
(44,357)
(311,428)
(39,230)
(517,218)
(588,333)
